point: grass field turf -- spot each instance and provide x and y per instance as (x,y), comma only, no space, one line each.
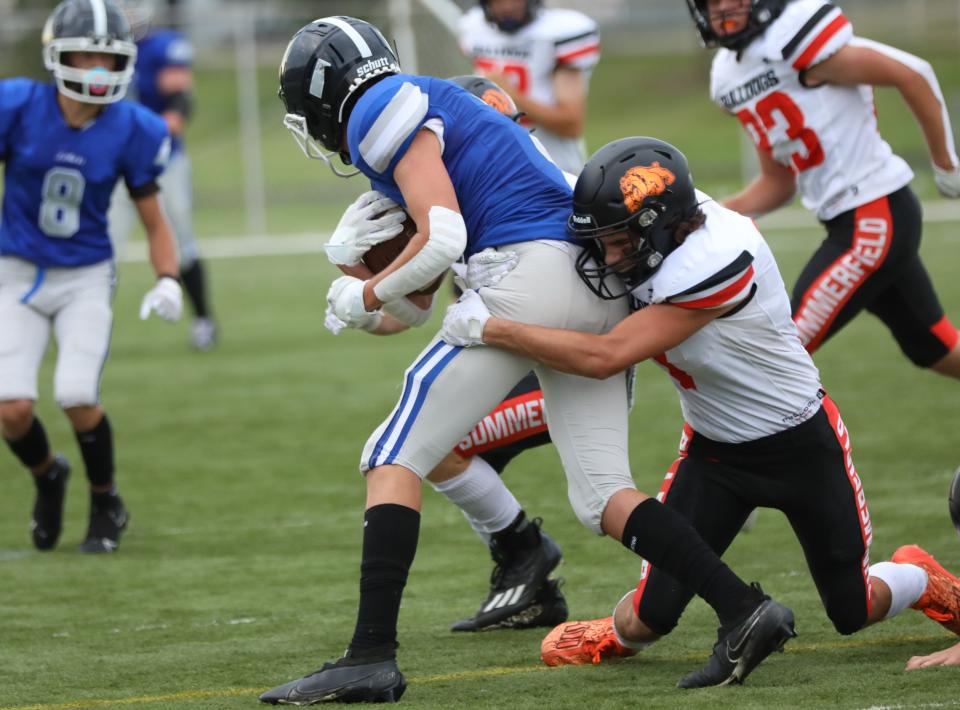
(240,568)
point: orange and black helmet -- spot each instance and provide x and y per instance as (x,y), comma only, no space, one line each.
(639,185)
(489,93)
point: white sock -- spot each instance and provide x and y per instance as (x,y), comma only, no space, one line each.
(906,583)
(483,497)
(635,645)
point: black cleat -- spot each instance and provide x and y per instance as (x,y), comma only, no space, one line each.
(47,519)
(370,678)
(548,609)
(741,648)
(515,585)
(106,524)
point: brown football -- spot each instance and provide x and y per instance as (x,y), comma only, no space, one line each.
(382,255)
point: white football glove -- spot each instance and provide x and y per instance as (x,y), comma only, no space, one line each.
(336,326)
(463,324)
(485,268)
(165,299)
(358,231)
(948,181)
(345,299)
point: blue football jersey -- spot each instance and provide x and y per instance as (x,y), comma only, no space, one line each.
(508,190)
(158,50)
(58,180)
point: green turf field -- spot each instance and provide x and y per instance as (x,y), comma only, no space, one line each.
(240,567)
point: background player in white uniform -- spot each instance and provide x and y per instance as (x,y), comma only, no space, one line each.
(801,84)
(163,82)
(759,430)
(64,149)
(435,149)
(543,57)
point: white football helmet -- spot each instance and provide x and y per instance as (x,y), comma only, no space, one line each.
(89,26)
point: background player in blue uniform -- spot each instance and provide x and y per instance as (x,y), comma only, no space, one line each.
(472,179)
(163,82)
(64,148)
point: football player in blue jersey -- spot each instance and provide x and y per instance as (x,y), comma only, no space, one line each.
(64,148)
(163,82)
(469,476)
(471,179)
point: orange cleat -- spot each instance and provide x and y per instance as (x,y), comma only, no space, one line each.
(941,599)
(577,643)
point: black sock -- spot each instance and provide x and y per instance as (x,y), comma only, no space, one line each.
(390,535)
(104,501)
(521,534)
(32,448)
(668,542)
(96,447)
(194,283)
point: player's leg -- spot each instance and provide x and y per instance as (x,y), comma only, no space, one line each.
(439,402)
(909,307)
(523,554)
(176,194)
(863,253)
(825,503)
(23,339)
(703,492)
(82,327)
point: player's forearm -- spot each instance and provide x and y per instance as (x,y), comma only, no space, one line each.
(764,194)
(565,350)
(163,251)
(566,121)
(931,116)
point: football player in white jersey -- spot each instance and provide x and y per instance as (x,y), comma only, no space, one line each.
(801,83)
(543,57)
(472,179)
(712,311)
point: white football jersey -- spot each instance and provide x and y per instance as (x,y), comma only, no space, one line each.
(555,38)
(744,375)
(828,134)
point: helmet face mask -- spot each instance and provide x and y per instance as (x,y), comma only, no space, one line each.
(327,65)
(634,188)
(510,25)
(759,15)
(89,26)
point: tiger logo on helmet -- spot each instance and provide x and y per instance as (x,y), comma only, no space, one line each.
(642,181)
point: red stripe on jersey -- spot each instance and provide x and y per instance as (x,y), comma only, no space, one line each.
(512,420)
(945,332)
(577,53)
(863,514)
(662,496)
(830,291)
(803,61)
(720,297)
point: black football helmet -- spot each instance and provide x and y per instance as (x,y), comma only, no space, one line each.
(328,64)
(511,24)
(89,26)
(639,185)
(488,92)
(760,14)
